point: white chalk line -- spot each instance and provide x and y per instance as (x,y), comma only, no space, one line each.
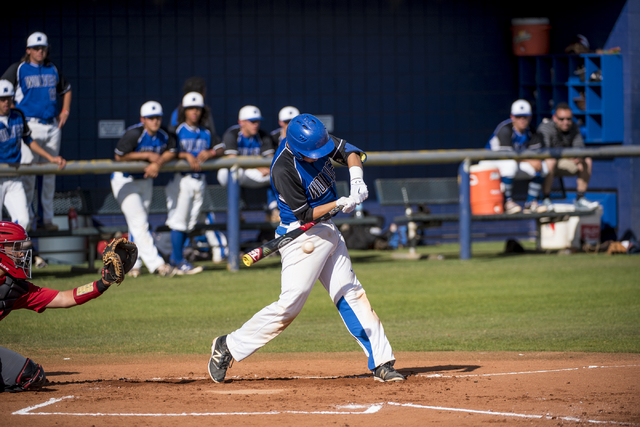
(507,414)
(368,409)
(523,372)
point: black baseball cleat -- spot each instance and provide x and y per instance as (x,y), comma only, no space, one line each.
(221,359)
(386,373)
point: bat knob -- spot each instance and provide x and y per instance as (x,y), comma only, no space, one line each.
(247,260)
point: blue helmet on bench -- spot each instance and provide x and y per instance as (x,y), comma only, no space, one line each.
(308,137)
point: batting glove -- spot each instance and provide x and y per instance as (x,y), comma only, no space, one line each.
(347,203)
(359,191)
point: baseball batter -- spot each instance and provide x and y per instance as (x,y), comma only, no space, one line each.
(185,192)
(18,373)
(304,181)
(145,141)
(14,131)
(38,83)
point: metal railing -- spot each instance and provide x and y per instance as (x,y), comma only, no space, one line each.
(395,158)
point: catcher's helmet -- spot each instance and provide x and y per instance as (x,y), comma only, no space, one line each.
(308,137)
(15,250)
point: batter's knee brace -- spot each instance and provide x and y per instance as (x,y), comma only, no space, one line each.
(31,377)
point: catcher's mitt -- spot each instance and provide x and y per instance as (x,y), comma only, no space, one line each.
(118,257)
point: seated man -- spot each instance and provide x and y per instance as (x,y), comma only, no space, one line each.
(563,132)
(514,134)
(247,139)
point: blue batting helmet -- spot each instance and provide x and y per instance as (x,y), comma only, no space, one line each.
(308,137)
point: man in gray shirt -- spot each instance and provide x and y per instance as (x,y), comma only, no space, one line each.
(563,132)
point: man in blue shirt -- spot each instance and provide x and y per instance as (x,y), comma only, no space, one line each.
(13,131)
(149,142)
(514,134)
(284,117)
(247,139)
(38,83)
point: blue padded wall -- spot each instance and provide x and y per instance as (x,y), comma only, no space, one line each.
(396,75)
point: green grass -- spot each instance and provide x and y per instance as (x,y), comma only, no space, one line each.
(528,302)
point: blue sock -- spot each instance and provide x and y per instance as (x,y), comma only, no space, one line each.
(535,185)
(508,187)
(177,242)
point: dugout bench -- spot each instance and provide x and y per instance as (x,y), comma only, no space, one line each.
(104,217)
(421,192)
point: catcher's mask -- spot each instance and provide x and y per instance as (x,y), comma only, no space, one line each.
(15,250)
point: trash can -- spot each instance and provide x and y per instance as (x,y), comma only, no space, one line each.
(530,36)
(64,250)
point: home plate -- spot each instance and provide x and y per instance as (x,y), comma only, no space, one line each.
(274,391)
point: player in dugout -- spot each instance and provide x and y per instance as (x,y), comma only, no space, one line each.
(18,373)
(303,179)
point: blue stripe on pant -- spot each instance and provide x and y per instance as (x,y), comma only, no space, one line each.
(355,328)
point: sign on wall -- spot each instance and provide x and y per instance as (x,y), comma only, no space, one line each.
(110,129)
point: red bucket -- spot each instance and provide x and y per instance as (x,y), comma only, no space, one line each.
(530,36)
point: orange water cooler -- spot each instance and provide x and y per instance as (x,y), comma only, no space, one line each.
(486,196)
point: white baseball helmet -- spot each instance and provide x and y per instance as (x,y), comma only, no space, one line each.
(288,113)
(37,39)
(150,109)
(6,89)
(193,99)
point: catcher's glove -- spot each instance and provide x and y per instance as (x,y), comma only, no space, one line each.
(118,257)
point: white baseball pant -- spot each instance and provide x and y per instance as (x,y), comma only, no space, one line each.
(514,169)
(48,137)
(28,181)
(134,196)
(330,263)
(14,199)
(185,195)
(249,178)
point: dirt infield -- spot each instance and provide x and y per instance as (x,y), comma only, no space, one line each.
(457,388)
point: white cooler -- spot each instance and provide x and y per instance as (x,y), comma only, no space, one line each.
(568,234)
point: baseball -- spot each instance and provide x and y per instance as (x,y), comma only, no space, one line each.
(308,247)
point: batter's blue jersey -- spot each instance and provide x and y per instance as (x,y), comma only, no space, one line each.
(300,186)
(13,129)
(37,88)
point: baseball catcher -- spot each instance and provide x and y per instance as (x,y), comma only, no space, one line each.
(18,373)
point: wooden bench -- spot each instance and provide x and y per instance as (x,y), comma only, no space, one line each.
(414,192)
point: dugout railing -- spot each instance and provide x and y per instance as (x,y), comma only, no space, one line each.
(462,157)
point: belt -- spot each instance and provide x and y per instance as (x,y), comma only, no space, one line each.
(42,121)
(193,175)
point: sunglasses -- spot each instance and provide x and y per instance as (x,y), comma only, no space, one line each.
(521,117)
(562,119)
(38,47)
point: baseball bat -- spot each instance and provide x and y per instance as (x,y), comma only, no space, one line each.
(278,243)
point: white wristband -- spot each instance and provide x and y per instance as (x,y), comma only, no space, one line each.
(356,172)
